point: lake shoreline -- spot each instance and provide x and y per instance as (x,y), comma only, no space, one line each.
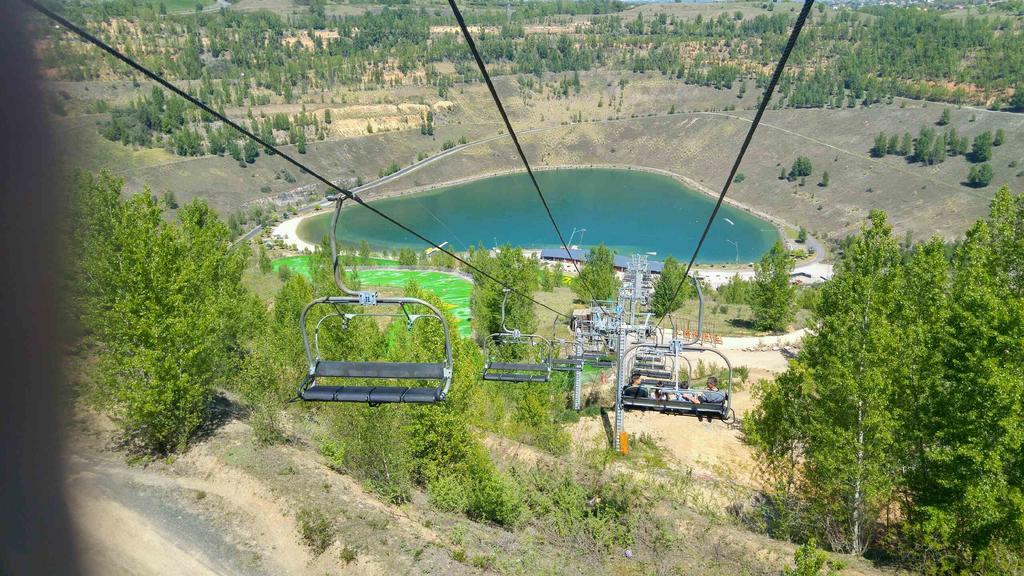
(288,230)
(779,224)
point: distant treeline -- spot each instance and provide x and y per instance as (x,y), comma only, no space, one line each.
(845,57)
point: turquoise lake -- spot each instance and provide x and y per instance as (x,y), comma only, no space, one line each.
(631,211)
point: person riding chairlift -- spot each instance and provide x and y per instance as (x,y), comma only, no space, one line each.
(710,396)
(634,389)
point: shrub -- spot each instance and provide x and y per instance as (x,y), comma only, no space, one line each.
(372,446)
(334,452)
(348,555)
(601,514)
(742,373)
(484,562)
(810,561)
(316,529)
(449,493)
(495,498)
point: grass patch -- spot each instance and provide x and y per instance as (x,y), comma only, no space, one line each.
(348,555)
(453,290)
(316,529)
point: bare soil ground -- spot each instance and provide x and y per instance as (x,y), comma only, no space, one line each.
(227,508)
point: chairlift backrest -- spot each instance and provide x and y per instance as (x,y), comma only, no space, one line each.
(499,368)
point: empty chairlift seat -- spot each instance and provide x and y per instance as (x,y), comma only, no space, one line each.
(597,359)
(360,376)
(570,364)
(659,374)
(499,367)
(515,372)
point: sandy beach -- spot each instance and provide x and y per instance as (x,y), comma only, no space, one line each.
(288,231)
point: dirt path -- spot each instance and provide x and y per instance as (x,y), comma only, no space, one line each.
(194,516)
(229,507)
(138,546)
(130,521)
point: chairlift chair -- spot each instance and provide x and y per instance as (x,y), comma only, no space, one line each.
(312,389)
(676,348)
(715,410)
(562,357)
(496,369)
(569,363)
(595,349)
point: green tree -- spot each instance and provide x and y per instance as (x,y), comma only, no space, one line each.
(906,145)
(666,285)
(824,179)
(999,138)
(546,281)
(264,260)
(881,146)
(736,291)
(558,276)
(597,276)
(407,257)
(980,176)
(801,168)
(364,252)
(773,295)
(966,456)
(893,146)
(938,153)
(827,426)
(168,312)
(1018,98)
(327,116)
(880,408)
(924,145)
(945,118)
(981,150)
(234,149)
(250,152)
(234,226)
(512,268)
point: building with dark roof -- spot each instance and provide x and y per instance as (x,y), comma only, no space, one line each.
(580,257)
